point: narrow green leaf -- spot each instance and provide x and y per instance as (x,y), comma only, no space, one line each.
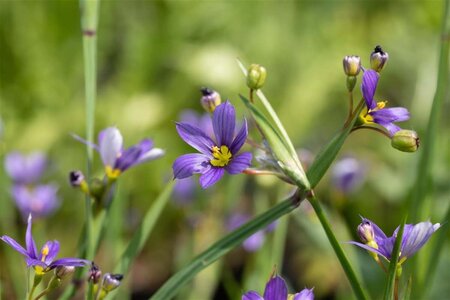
(142,234)
(223,246)
(392,272)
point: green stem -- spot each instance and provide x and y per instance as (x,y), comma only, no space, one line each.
(357,288)
(225,245)
(393,274)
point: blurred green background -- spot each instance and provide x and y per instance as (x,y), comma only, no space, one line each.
(153,56)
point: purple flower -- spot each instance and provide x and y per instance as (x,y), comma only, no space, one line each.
(347,174)
(25,169)
(276,289)
(39,200)
(217,156)
(116,159)
(43,261)
(414,237)
(375,112)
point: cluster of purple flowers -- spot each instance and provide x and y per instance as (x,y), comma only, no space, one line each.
(30,195)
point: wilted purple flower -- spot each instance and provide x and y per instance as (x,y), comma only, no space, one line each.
(39,200)
(25,169)
(376,111)
(414,237)
(43,261)
(115,158)
(215,156)
(347,174)
(276,289)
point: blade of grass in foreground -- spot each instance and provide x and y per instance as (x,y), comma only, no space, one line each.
(225,245)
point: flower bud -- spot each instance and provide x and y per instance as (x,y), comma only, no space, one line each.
(94,274)
(352,65)
(256,76)
(365,232)
(111,281)
(63,272)
(405,140)
(378,58)
(210,99)
(97,188)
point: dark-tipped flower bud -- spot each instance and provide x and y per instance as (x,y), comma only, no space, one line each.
(76,178)
(352,65)
(405,140)
(63,272)
(111,281)
(94,274)
(378,58)
(365,232)
(210,99)
(256,76)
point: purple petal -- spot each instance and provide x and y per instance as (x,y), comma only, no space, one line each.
(128,158)
(348,174)
(252,295)
(305,294)
(369,86)
(69,262)
(81,140)
(415,236)
(224,121)
(255,241)
(188,164)
(40,201)
(370,249)
(32,262)
(29,241)
(240,139)
(211,176)
(390,115)
(239,163)
(52,249)
(276,289)
(15,245)
(148,152)
(195,137)
(25,169)
(110,145)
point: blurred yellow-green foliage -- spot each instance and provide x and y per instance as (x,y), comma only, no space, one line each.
(153,56)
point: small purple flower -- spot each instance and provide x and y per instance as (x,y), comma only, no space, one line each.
(39,200)
(414,237)
(276,289)
(116,159)
(43,261)
(217,156)
(376,113)
(25,169)
(347,174)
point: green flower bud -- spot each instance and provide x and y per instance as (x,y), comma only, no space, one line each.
(111,281)
(256,76)
(210,99)
(405,141)
(97,188)
(351,82)
(352,65)
(378,59)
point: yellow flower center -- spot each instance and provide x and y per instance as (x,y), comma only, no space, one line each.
(368,119)
(222,156)
(112,173)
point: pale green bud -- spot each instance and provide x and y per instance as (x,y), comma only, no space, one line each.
(256,76)
(111,281)
(352,65)
(378,58)
(405,140)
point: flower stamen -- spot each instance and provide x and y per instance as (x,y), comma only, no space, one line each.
(222,156)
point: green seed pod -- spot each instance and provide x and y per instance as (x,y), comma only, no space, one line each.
(256,76)
(405,141)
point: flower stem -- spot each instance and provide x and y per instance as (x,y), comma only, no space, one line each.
(350,108)
(374,129)
(351,276)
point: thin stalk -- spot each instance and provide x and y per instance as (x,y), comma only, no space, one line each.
(225,245)
(381,131)
(354,282)
(394,267)
(350,108)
